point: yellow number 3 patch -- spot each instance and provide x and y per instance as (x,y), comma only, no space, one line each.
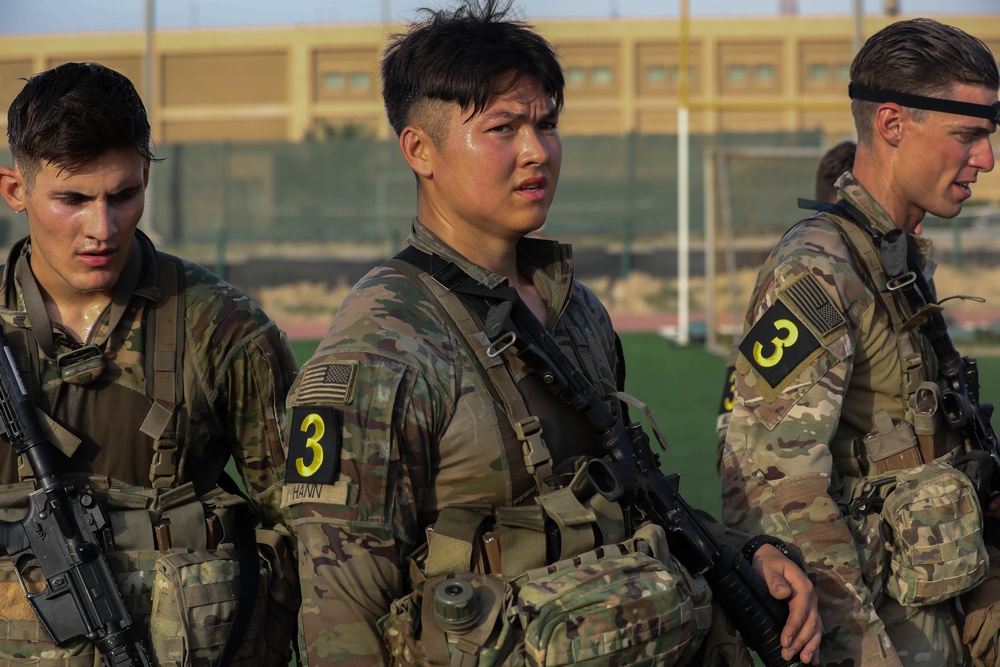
(314,445)
(779,343)
(313,421)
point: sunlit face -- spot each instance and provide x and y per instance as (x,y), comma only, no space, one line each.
(940,157)
(82,223)
(495,175)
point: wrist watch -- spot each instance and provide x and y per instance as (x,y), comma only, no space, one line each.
(755,543)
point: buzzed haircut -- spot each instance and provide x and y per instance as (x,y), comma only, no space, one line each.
(462,56)
(72,114)
(918,57)
(832,165)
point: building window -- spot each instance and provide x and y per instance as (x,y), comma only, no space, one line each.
(575,76)
(601,76)
(819,72)
(764,72)
(360,80)
(737,73)
(843,72)
(333,81)
(656,74)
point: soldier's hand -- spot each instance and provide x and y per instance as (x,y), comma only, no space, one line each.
(786,581)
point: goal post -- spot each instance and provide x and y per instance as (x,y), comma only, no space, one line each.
(750,201)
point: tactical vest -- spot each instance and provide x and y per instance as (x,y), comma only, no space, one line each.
(532,568)
(914,431)
(176,558)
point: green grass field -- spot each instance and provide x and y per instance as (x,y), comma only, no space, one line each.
(682,387)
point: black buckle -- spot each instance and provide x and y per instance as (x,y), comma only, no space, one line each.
(81,366)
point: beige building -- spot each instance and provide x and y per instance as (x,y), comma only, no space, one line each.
(283,84)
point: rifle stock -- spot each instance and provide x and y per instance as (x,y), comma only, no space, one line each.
(58,548)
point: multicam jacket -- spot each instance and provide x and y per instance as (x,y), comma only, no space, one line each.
(392,420)
(237,367)
(806,390)
(230,383)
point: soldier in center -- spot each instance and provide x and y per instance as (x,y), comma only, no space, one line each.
(427,462)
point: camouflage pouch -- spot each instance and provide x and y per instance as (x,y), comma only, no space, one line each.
(933,528)
(193,606)
(614,606)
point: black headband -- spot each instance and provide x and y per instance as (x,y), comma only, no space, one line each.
(989,112)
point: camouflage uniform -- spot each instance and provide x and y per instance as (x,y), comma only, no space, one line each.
(237,368)
(420,431)
(792,440)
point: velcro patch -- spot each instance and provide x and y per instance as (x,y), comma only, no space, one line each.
(777,344)
(807,299)
(325,494)
(728,392)
(314,446)
(327,384)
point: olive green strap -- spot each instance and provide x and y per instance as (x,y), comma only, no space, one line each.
(160,423)
(450,544)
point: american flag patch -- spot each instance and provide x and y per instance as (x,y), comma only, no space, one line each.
(815,306)
(328,384)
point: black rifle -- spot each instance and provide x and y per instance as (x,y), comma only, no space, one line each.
(958,376)
(63,538)
(631,474)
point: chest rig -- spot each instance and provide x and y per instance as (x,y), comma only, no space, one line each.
(163,329)
(165,528)
(458,538)
(920,436)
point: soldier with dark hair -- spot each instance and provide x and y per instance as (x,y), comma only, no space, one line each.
(832,166)
(837,440)
(148,373)
(425,458)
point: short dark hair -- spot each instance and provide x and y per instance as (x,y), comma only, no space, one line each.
(832,165)
(461,56)
(919,57)
(71,115)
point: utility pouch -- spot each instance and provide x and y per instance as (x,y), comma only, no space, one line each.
(934,535)
(891,446)
(195,594)
(614,605)
(626,603)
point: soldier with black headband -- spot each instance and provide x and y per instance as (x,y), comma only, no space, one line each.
(836,441)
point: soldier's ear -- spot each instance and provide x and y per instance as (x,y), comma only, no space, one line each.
(890,118)
(13,188)
(418,150)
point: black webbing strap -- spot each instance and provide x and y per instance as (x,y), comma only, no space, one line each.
(246,547)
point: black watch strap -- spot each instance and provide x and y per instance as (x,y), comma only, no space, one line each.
(755,543)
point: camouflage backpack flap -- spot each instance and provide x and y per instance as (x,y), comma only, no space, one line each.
(934,535)
(616,605)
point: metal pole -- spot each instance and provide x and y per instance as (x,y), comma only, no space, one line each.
(683,212)
(859,37)
(149,89)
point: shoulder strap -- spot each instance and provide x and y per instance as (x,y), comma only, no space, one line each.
(164,358)
(440,287)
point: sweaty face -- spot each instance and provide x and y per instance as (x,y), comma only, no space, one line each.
(940,157)
(82,223)
(495,175)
